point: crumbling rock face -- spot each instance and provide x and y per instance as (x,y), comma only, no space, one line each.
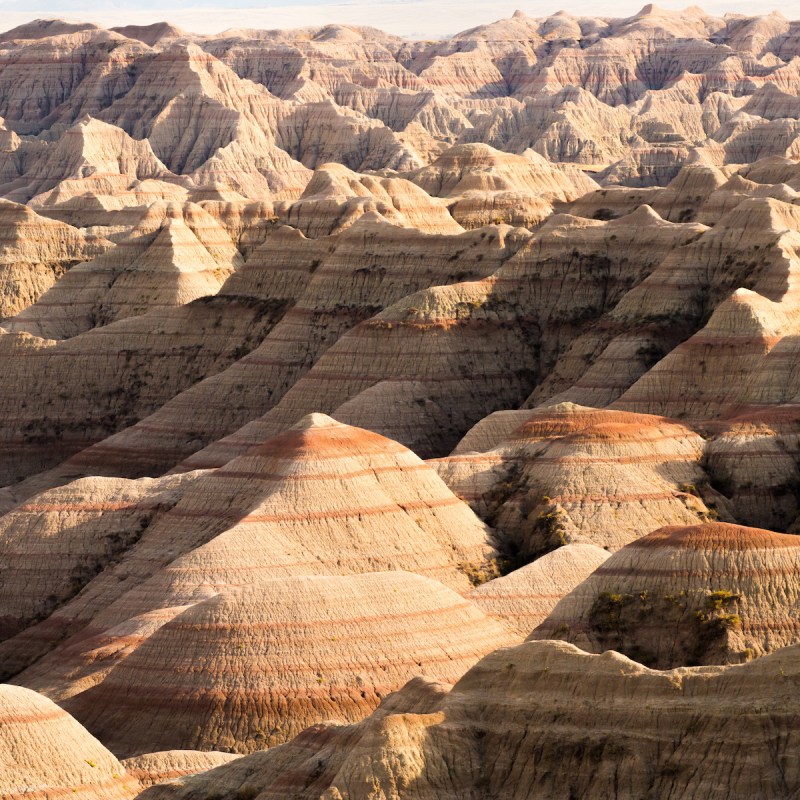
(36,252)
(547,720)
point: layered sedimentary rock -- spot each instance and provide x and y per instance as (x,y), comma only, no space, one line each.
(46,753)
(251,669)
(321,499)
(567,473)
(707,594)
(55,544)
(114,375)
(524,598)
(336,197)
(349,279)
(173,256)
(563,251)
(545,719)
(168,765)
(517,323)
(36,252)
(89,157)
(484,186)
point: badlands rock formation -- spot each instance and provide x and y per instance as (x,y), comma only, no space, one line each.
(250,669)
(250,281)
(320,499)
(566,474)
(544,719)
(46,753)
(523,599)
(705,594)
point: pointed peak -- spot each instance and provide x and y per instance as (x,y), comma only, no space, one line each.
(651,9)
(316,420)
(175,248)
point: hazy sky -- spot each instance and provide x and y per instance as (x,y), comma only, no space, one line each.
(412,18)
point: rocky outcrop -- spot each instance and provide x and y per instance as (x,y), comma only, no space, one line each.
(368,267)
(173,256)
(48,754)
(707,594)
(282,655)
(484,186)
(547,720)
(336,197)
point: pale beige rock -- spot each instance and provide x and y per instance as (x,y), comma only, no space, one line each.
(47,754)
(544,719)
(35,252)
(336,197)
(573,474)
(523,599)
(167,766)
(322,498)
(175,254)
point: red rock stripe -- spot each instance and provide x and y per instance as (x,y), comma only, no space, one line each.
(316,476)
(416,505)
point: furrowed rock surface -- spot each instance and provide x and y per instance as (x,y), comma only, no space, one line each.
(336,197)
(545,719)
(55,544)
(523,599)
(47,754)
(517,322)
(251,669)
(35,252)
(176,254)
(485,186)
(168,765)
(355,275)
(707,594)
(573,474)
(320,499)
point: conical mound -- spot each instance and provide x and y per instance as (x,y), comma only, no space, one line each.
(570,473)
(703,594)
(45,754)
(321,499)
(252,668)
(523,599)
(175,269)
(544,719)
